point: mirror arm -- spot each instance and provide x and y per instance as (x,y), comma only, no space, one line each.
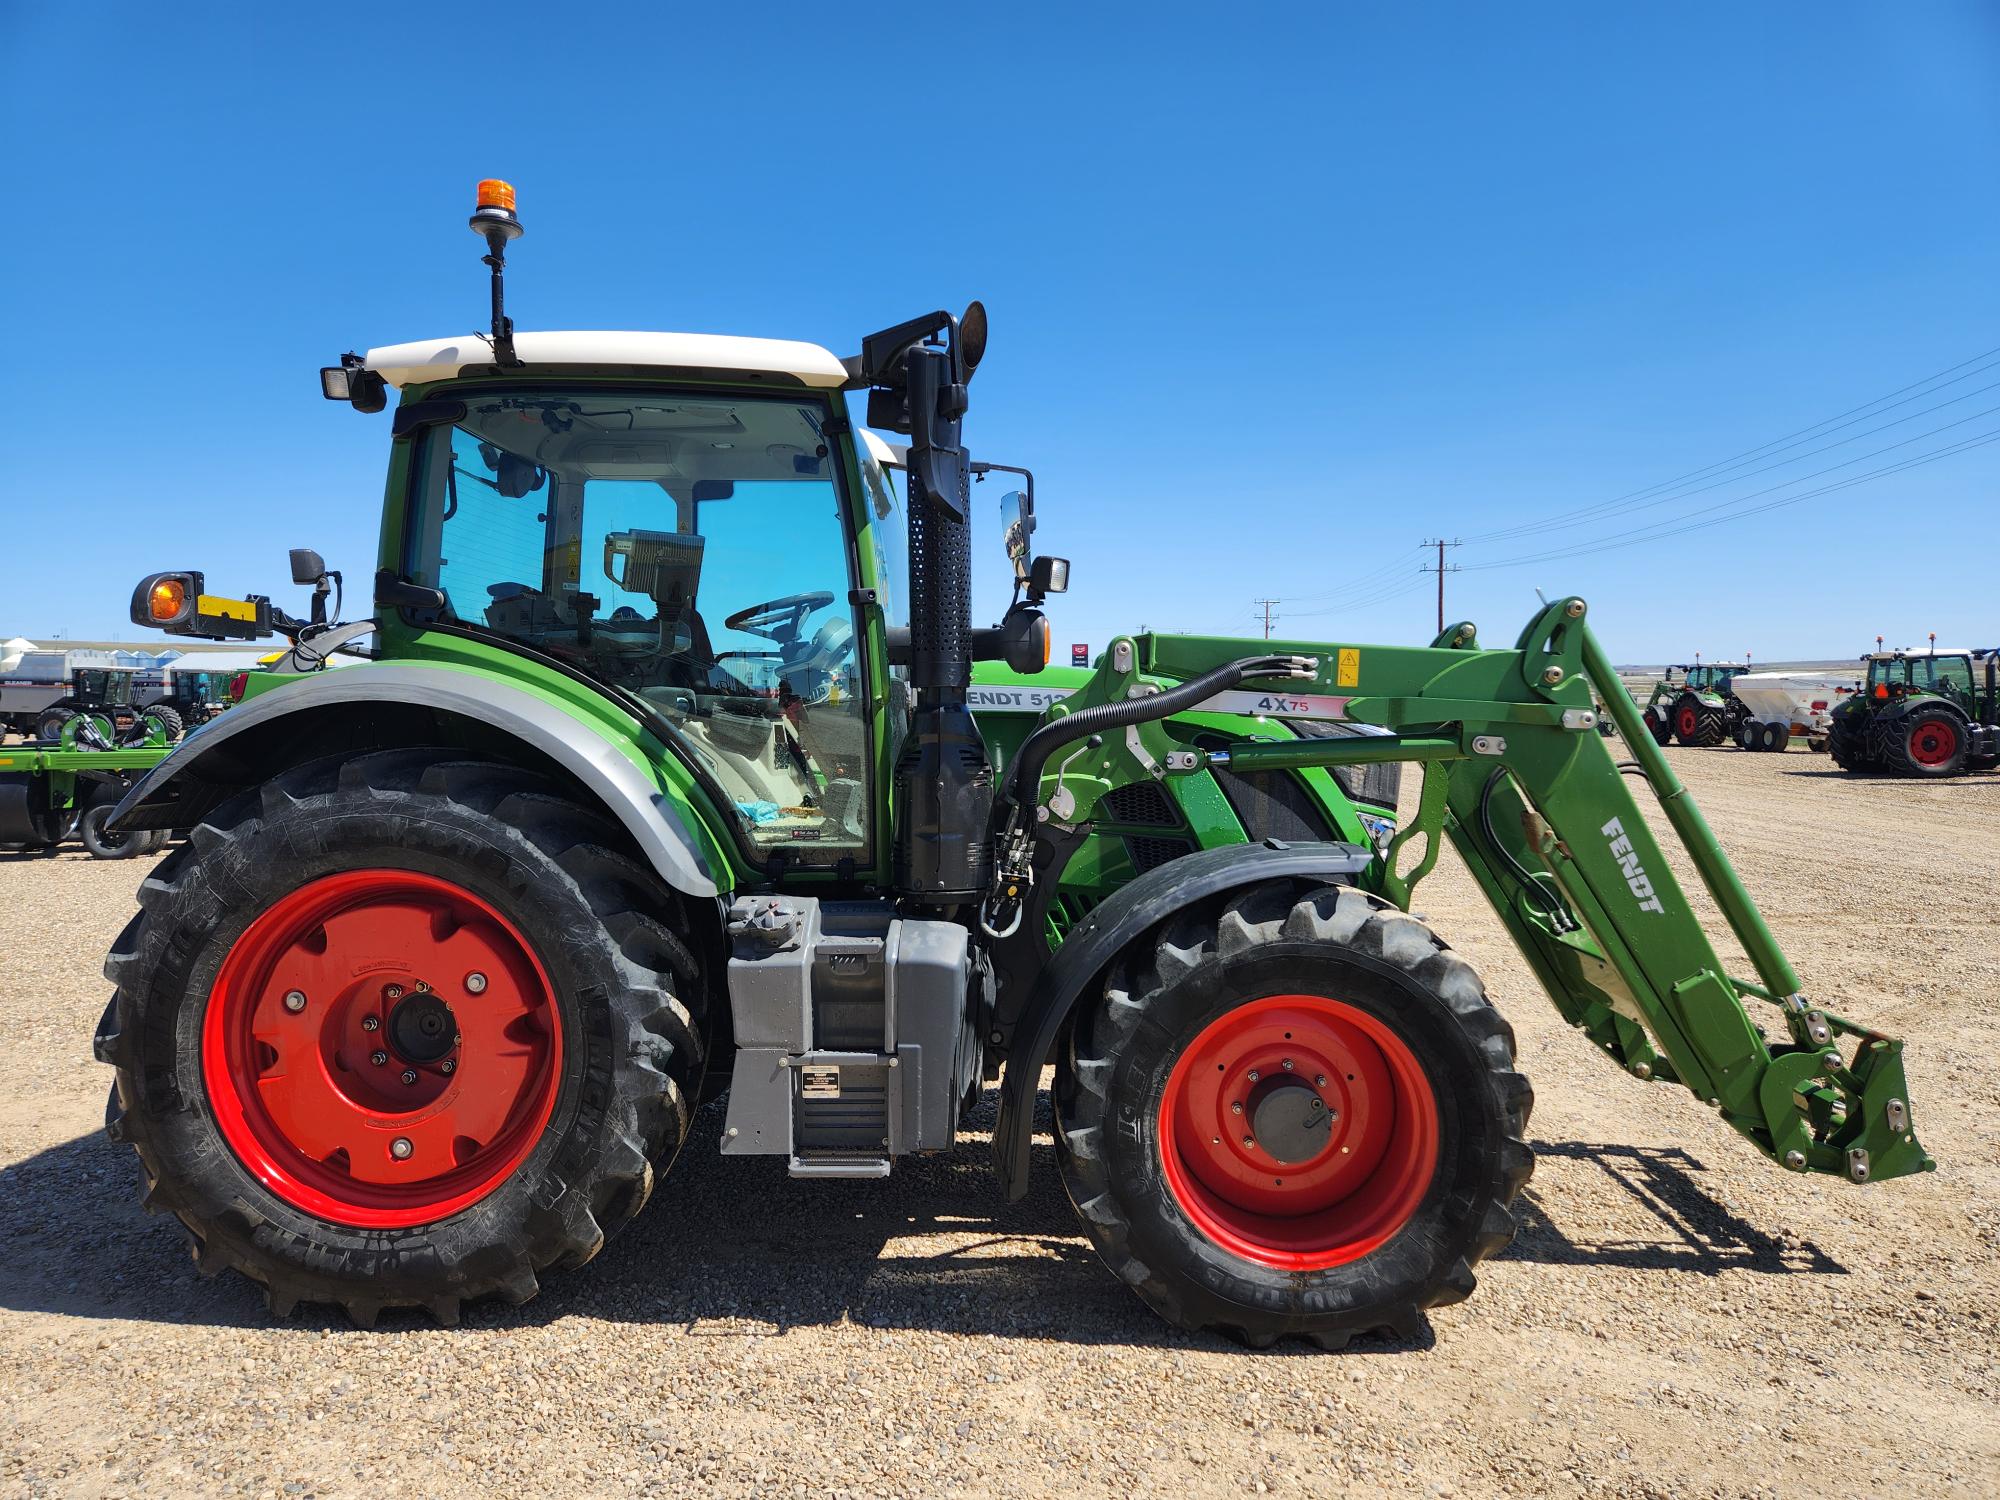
(1027,474)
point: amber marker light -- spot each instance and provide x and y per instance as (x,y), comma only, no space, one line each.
(493,193)
(167,600)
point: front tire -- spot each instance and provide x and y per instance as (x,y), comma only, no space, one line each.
(401,1030)
(1288,1219)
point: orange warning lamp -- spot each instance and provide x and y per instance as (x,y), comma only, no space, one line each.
(167,600)
(493,214)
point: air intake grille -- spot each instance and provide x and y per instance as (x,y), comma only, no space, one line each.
(1150,854)
(1141,804)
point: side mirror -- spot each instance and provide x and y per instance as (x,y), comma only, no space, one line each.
(307,565)
(1017,524)
(1048,575)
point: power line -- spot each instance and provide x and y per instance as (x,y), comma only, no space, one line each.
(1858,413)
(1664,529)
(1533,528)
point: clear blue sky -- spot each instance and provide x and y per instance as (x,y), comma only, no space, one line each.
(1276,293)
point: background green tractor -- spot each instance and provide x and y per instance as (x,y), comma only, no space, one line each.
(677,769)
(1693,704)
(98,713)
(1921,713)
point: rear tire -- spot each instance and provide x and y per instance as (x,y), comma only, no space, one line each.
(1777,736)
(1696,724)
(1660,727)
(49,723)
(1929,742)
(1430,1101)
(574,1060)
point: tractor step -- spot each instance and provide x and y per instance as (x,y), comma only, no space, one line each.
(840,1166)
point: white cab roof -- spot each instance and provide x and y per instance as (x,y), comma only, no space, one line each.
(439,359)
(1927,651)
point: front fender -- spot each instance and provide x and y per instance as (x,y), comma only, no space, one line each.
(614,778)
(1093,943)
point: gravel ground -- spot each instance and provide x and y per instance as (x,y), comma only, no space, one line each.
(1677,1317)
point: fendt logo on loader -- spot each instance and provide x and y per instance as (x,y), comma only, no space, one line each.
(1628,861)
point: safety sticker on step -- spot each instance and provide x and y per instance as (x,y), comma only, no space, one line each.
(1275,705)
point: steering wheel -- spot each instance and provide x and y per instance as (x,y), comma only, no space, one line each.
(779,619)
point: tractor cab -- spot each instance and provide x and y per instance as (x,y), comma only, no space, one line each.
(1897,674)
(1710,677)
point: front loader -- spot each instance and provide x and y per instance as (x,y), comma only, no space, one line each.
(678,768)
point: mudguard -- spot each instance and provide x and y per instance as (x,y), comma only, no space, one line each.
(1093,943)
(611,776)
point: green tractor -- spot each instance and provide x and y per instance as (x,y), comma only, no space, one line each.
(1921,713)
(679,769)
(1693,704)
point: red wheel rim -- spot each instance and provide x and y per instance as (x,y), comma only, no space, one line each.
(355,967)
(1328,1204)
(1933,742)
(1690,721)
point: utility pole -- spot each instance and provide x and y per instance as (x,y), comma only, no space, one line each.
(1440,569)
(1267,603)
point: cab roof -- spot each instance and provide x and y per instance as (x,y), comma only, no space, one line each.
(709,353)
(1927,651)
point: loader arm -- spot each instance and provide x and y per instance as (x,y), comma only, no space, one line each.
(1517,776)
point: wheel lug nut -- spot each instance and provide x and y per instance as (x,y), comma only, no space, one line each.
(393,992)
(449,1065)
(423,987)
(475,983)
(378,1057)
(371,1023)
(409,1075)
(400,1148)
(1286,1065)
(1250,1140)
(1236,1108)
(1254,1075)
(1320,1079)
(295,1001)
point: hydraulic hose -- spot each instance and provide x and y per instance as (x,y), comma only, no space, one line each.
(1001,910)
(1036,749)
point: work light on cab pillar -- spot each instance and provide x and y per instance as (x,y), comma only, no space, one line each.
(494,220)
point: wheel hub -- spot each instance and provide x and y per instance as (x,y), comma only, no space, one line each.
(1289,1121)
(1298,1131)
(422,1028)
(348,1085)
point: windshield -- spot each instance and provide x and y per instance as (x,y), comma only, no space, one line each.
(1949,675)
(690,549)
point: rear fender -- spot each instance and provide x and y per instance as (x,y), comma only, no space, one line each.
(1125,915)
(275,730)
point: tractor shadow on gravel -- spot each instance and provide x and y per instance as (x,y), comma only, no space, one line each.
(1694,1231)
(730,1247)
